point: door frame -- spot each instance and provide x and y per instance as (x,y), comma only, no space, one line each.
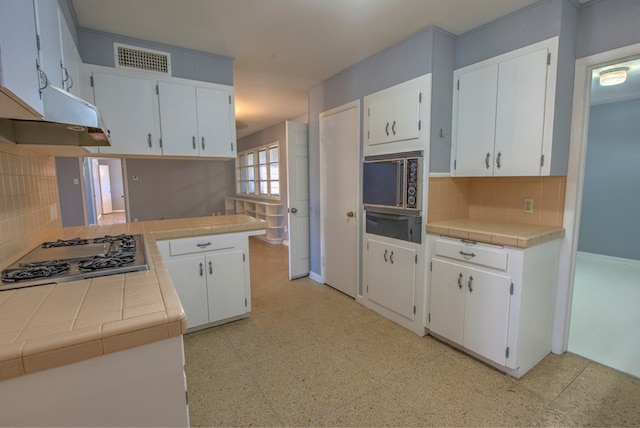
(353,104)
(575,186)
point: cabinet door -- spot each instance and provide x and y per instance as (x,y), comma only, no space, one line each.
(130,110)
(71,63)
(406,114)
(225,282)
(178,119)
(380,120)
(50,43)
(188,276)
(18,56)
(446,303)
(486,314)
(391,277)
(215,119)
(476,122)
(522,85)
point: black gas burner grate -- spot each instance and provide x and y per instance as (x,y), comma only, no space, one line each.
(107,261)
(65,243)
(38,270)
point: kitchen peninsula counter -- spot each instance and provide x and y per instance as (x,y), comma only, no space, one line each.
(53,325)
(518,235)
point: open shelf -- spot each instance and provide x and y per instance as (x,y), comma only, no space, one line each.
(271,212)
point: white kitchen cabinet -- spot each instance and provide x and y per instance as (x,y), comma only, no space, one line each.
(397,118)
(71,62)
(211,277)
(503,113)
(196,121)
(391,277)
(48,29)
(494,302)
(129,106)
(19,77)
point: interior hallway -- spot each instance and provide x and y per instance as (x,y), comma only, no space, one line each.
(311,356)
(112,218)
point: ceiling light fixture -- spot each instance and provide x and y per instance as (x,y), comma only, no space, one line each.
(614,76)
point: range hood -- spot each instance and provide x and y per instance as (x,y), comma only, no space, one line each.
(68,120)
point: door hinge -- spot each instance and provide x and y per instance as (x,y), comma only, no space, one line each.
(367,245)
(511,289)
(367,288)
(38,41)
(549,58)
(416,259)
(414,309)
(368,112)
(419,125)
(506,353)
(157,89)
(91,81)
(420,97)
(231,146)
(244,259)
(455,164)
(160,141)
(541,160)
(458,84)
(368,134)
(430,266)
(186,396)
(229,99)
(245,302)
(429,317)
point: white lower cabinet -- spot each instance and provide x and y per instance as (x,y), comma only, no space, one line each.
(495,302)
(211,277)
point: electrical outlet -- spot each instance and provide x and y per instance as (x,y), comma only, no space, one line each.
(527,205)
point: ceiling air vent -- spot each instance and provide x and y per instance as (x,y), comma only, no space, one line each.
(142,59)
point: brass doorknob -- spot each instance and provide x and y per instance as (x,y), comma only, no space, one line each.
(351,214)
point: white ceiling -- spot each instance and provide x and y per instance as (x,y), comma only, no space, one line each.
(284,47)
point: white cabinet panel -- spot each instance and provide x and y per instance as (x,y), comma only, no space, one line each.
(215,115)
(188,276)
(129,108)
(391,277)
(72,67)
(406,114)
(226,285)
(447,297)
(178,119)
(50,42)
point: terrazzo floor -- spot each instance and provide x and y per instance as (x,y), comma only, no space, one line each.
(311,356)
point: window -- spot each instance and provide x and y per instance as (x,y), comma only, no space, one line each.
(258,172)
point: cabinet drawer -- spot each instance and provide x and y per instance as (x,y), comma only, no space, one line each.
(201,244)
(468,251)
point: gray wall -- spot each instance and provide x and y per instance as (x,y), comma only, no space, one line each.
(177,188)
(116,182)
(70,194)
(610,206)
(276,133)
(97,48)
(413,57)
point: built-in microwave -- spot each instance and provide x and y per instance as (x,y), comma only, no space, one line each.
(392,183)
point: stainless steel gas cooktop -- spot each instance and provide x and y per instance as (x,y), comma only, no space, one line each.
(74,259)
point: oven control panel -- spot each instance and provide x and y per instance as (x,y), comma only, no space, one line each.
(412,187)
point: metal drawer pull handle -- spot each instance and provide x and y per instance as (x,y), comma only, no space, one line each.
(149,140)
(203,245)
(466,255)
(193,142)
(468,242)
(385,256)
(391,257)
(210,268)
(469,284)
(386,129)
(202,143)
(393,127)
(486,160)
(460,280)
(498,164)
(201,271)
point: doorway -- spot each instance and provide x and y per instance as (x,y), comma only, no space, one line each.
(107,191)
(605,289)
(339,196)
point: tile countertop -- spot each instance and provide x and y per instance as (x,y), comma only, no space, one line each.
(52,325)
(518,235)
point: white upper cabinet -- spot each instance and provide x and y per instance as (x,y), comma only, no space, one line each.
(503,112)
(72,68)
(19,77)
(48,29)
(196,120)
(396,119)
(129,106)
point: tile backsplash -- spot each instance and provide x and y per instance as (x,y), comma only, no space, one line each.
(29,211)
(497,199)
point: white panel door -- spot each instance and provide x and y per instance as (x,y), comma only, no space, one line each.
(129,107)
(486,314)
(476,122)
(522,85)
(215,119)
(225,282)
(188,276)
(105,189)
(446,304)
(178,119)
(298,198)
(339,188)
